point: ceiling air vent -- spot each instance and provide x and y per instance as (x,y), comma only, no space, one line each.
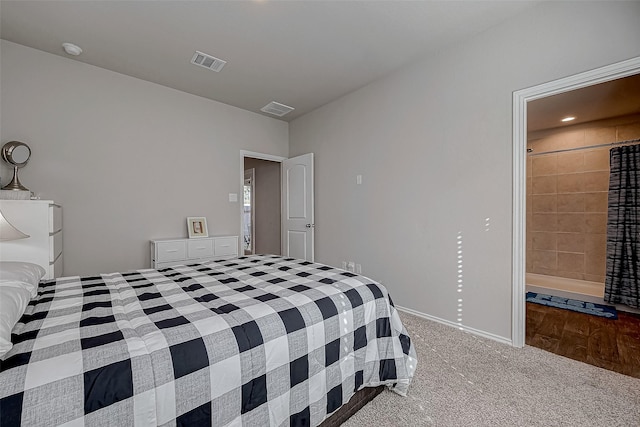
(277,109)
(207,61)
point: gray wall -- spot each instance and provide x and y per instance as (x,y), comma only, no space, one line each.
(433,145)
(432,142)
(267,200)
(129,160)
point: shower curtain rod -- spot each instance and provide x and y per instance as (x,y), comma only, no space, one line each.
(630,141)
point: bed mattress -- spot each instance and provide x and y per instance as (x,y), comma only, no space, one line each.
(259,340)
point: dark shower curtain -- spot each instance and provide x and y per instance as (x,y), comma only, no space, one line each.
(622,283)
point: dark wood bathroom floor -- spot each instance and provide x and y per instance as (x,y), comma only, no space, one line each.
(609,344)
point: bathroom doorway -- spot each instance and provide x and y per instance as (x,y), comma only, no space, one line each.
(568,136)
(523,99)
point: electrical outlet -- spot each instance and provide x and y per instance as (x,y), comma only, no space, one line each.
(344,265)
(359,268)
(351,266)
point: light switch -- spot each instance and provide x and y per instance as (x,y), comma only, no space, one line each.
(233,197)
(358,179)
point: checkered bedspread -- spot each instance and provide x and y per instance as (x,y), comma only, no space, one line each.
(260,340)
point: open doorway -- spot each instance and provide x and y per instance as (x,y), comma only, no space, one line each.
(294,222)
(569,140)
(520,108)
(260,210)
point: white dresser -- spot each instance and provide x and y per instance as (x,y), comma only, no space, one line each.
(168,252)
(42,221)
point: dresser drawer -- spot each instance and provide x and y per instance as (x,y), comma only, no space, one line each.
(225,246)
(171,251)
(55,269)
(41,220)
(200,248)
(55,218)
(55,246)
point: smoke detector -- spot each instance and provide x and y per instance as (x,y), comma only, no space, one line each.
(207,61)
(277,109)
(71,49)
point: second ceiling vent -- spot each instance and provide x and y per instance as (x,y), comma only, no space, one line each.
(277,109)
(207,61)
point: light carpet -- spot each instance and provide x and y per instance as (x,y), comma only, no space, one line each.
(465,380)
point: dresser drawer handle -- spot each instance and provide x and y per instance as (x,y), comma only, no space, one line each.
(201,248)
(172,250)
(224,246)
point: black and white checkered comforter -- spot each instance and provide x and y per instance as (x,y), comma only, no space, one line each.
(260,340)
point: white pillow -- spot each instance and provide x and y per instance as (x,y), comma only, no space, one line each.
(13,302)
(23,272)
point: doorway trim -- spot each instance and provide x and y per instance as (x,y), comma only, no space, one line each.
(253,155)
(520,98)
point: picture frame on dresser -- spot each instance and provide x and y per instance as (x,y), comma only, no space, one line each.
(197,226)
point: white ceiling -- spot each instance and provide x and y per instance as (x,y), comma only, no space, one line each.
(299,53)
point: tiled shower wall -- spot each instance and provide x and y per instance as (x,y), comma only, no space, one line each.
(567,198)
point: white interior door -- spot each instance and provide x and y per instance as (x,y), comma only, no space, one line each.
(297,207)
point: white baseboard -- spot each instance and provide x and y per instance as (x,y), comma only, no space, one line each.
(478,332)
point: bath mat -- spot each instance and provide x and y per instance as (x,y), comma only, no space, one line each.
(572,304)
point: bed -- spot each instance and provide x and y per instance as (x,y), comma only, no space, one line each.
(258,340)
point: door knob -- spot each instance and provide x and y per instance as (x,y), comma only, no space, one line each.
(310,225)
